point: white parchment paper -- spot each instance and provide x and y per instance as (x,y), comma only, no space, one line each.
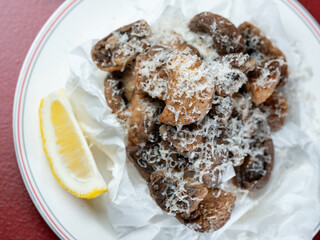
(288,208)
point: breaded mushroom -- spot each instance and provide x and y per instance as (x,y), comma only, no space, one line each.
(226,37)
(142,123)
(213,212)
(118,49)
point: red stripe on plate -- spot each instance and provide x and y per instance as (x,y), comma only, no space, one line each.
(28,69)
(298,9)
(19,108)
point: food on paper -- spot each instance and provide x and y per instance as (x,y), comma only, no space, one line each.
(189,117)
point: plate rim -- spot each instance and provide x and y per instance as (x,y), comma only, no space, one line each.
(24,76)
(37,44)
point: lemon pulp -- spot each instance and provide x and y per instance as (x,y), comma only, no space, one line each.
(68,141)
(66,149)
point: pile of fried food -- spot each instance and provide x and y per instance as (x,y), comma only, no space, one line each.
(190,117)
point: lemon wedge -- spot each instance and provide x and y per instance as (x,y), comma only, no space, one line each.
(65,146)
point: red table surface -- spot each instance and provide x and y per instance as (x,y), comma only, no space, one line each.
(20,21)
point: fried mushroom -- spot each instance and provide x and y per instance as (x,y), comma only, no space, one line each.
(151,73)
(231,72)
(255,172)
(176,42)
(246,123)
(118,49)
(114,97)
(208,163)
(129,81)
(264,80)
(188,138)
(213,212)
(277,108)
(226,37)
(211,175)
(135,155)
(272,67)
(171,195)
(190,90)
(155,156)
(222,108)
(142,123)
(257,44)
(180,79)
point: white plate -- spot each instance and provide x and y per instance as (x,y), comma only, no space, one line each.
(46,68)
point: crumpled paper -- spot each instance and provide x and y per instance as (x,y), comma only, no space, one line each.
(288,208)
